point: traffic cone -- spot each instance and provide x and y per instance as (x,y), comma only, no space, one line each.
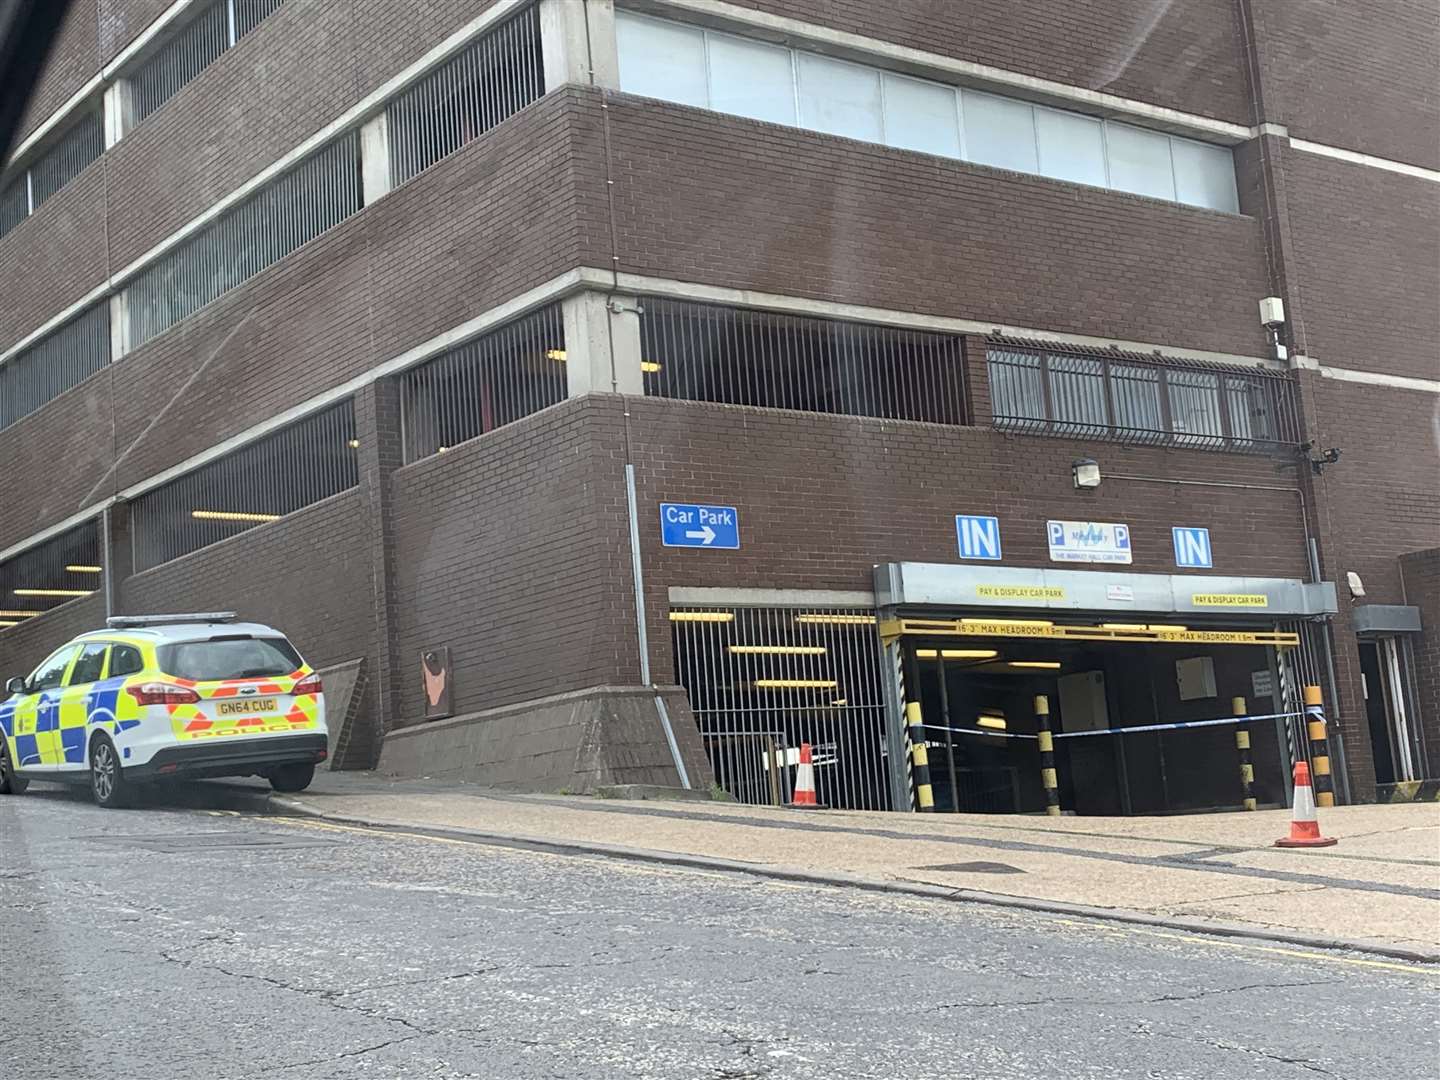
(1304,829)
(805,782)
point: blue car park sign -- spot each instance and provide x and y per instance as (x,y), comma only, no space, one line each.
(979,537)
(695,526)
(1192,548)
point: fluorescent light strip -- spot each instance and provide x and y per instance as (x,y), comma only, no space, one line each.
(702,616)
(795,684)
(1039,665)
(232,515)
(996,723)
(12,613)
(77,568)
(837,620)
(957,654)
(53,592)
(780,650)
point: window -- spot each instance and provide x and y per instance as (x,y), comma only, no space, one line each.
(494,380)
(278,474)
(14,203)
(840,98)
(125,660)
(703,352)
(65,159)
(229,658)
(1077,395)
(89,666)
(317,194)
(751,79)
(51,673)
(63,358)
(64,568)
(492,79)
(744,77)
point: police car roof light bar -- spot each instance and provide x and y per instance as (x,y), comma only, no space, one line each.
(121,622)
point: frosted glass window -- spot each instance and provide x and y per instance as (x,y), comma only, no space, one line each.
(661,59)
(1077,394)
(1194,405)
(921,116)
(999,132)
(1071,147)
(1136,395)
(751,79)
(1140,161)
(839,98)
(1205,175)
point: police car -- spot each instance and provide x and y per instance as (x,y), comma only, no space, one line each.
(164,696)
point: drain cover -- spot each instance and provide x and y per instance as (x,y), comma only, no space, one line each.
(974,868)
(174,843)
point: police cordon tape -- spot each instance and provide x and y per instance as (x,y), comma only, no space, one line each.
(1178,725)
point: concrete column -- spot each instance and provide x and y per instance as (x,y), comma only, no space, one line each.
(575,52)
(119,325)
(375,177)
(119,111)
(598,326)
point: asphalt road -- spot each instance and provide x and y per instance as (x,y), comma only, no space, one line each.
(194,944)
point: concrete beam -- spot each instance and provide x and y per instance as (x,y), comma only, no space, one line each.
(602,344)
(375,177)
(575,51)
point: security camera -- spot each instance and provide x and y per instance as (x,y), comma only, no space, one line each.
(1357,587)
(1272,312)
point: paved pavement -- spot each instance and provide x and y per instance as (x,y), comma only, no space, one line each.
(1379,887)
(184,943)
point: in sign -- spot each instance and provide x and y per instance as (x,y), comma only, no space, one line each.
(979,537)
(693,525)
(1192,547)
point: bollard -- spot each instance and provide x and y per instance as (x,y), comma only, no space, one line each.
(1047,755)
(1242,744)
(920,756)
(1319,747)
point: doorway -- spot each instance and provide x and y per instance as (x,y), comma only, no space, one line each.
(1383,665)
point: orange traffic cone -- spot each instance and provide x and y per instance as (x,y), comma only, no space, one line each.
(805,782)
(1304,829)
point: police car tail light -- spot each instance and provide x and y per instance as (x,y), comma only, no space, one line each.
(159,693)
(310,684)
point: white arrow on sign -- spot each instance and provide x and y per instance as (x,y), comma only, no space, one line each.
(705,534)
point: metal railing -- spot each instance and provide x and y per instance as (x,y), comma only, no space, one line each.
(316,195)
(490,80)
(762,681)
(62,359)
(194,48)
(704,352)
(294,467)
(513,371)
(14,202)
(1133,399)
(63,568)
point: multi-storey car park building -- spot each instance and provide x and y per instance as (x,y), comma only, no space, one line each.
(397,325)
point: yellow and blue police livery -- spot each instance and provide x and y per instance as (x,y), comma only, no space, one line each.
(165,696)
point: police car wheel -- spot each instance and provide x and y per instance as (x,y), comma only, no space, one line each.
(107,778)
(10,784)
(295,777)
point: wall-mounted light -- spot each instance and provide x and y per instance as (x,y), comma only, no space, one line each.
(995,723)
(1086,472)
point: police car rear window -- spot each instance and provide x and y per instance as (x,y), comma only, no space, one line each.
(228,658)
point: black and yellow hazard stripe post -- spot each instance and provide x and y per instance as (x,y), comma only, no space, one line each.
(1242,745)
(1319,747)
(1048,777)
(920,758)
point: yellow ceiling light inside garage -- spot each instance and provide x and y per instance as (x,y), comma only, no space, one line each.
(233,515)
(779,650)
(702,616)
(54,592)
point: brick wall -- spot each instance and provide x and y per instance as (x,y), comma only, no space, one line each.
(1422,586)
(300,574)
(1361,76)
(512,549)
(1366,259)
(739,203)
(54,257)
(1183,56)
(74,59)
(23,647)
(122,21)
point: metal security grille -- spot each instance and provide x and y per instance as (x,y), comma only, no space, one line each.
(1130,399)
(495,77)
(702,352)
(54,364)
(486,383)
(81,145)
(61,569)
(316,195)
(762,681)
(14,203)
(217,28)
(301,464)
